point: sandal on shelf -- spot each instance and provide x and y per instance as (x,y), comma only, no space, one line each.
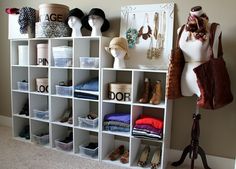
(144,156)
(125,157)
(156,159)
(117,153)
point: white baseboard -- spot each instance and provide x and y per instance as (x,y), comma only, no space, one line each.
(5,121)
(214,162)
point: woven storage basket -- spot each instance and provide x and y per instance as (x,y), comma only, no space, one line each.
(53,12)
(119,91)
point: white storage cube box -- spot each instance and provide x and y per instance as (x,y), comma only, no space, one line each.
(62,56)
(64,146)
(14,28)
(41,114)
(23,55)
(89,62)
(88,151)
(85,122)
(41,140)
(64,90)
(22,86)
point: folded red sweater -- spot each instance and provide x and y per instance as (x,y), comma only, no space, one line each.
(157,123)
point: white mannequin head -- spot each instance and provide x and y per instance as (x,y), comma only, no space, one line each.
(96,23)
(118,53)
(75,24)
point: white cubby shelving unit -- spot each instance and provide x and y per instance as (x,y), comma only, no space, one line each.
(56,104)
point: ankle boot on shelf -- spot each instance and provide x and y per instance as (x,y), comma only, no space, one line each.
(146,91)
(156,93)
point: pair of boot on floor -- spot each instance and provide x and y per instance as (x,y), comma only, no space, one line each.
(151,94)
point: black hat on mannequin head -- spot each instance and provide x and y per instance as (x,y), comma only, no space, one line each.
(97,12)
(75,12)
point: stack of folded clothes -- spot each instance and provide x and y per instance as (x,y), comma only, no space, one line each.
(148,127)
(117,122)
(87,89)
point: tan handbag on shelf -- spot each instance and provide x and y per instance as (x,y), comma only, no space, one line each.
(176,65)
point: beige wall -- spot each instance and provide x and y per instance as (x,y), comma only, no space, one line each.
(218,128)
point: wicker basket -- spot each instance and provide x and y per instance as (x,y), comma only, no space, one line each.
(53,12)
(119,91)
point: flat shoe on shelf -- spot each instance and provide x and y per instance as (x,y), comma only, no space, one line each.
(144,156)
(156,159)
(117,153)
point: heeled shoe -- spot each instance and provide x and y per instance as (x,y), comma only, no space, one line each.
(156,93)
(146,91)
(144,156)
(125,157)
(156,159)
(117,153)
(65,117)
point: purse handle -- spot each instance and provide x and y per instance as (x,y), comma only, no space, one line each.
(211,41)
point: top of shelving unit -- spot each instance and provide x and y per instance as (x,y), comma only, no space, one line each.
(65,38)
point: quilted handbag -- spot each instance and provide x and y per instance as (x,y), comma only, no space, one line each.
(176,65)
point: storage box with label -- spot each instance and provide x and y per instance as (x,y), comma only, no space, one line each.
(119,91)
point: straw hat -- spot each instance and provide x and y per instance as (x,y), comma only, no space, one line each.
(118,43)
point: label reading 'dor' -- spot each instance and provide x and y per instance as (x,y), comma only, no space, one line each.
(119,96)
(51,17)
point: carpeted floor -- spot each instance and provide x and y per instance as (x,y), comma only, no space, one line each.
(19,155)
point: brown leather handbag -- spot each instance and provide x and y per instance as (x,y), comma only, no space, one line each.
(213,78)
(175,69)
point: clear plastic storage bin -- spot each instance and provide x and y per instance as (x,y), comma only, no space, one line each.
(41,114)
(88,151)
(63,62)
(22,86)
(41,140)
(85,122)
(64,90)
(64,146)
(62,56)
(89,62)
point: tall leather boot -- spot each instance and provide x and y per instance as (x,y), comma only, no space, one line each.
(156,93)
(146,91)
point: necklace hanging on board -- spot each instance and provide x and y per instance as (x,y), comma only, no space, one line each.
(141,33)
(132,34)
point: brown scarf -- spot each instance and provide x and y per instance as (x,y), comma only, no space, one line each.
(197,26)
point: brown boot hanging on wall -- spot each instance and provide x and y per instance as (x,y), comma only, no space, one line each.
(146,90)
(156,93)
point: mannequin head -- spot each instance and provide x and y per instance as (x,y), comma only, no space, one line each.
(118,53)
(96,22)
(74,21)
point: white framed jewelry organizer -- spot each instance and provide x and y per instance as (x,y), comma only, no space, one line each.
(149,31)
